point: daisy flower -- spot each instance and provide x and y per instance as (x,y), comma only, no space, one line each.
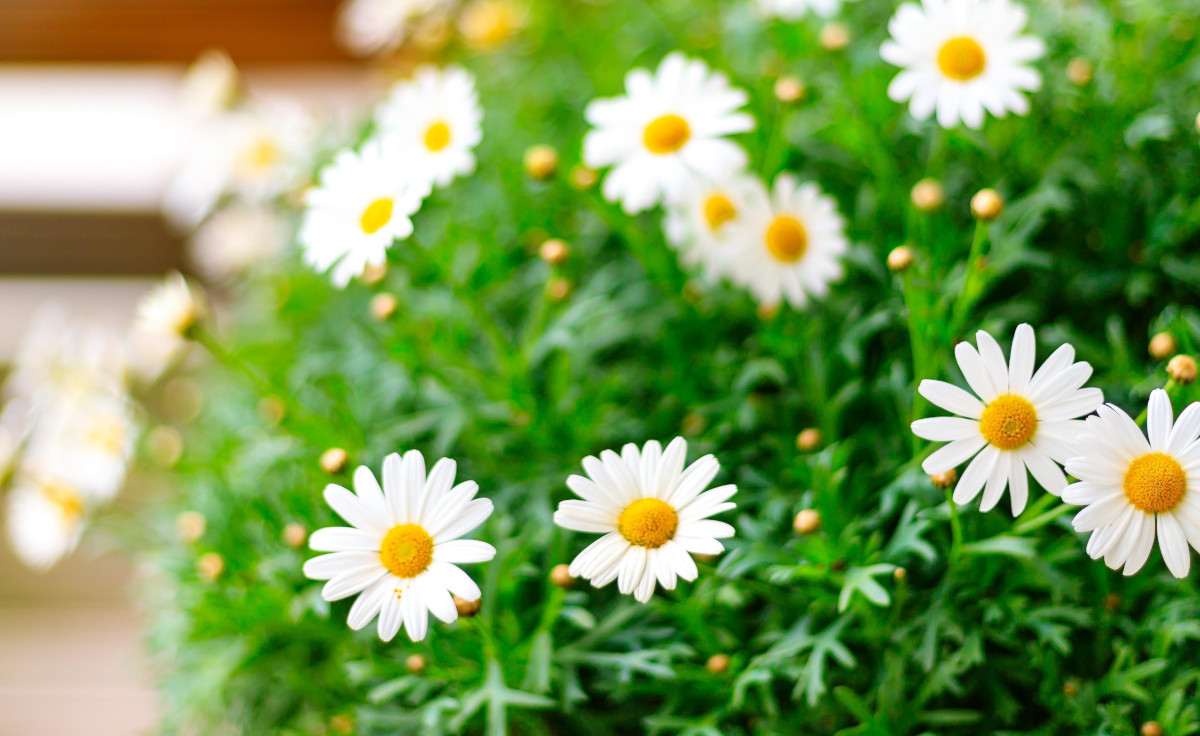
(962,58)
(45,521)
(400,551)
(1133,486)
(1025,420)
(789,242)
(652,512)
(237,239)
(364,203)
(701,225)
(796,9)
(170,309)
(433,123)
(367,27)
(667,130)
(85,443)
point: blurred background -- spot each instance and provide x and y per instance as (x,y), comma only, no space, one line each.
(94,128)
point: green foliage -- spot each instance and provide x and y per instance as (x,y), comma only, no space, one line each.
(1009,628)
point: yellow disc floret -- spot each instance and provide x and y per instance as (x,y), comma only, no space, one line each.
(1008,422)
(718,210)
(437,136)
(666,134)
(786,239)
(962,58)
(376,215)
(406,550)
(1155,483)
(648,522)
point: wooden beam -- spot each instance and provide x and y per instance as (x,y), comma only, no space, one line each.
(77,243)
(251,31)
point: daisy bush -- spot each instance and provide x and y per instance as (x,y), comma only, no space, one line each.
(746,367)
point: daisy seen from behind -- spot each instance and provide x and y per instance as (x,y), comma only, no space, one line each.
(401,552)
(1017,420)
(670,128)
(653,513)
(789,243)
(364,203)
(433,122)
(1137,488)
(962,59)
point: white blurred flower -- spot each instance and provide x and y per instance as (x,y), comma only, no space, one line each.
(790,242)
(363,204)
(703,224)
(669,129)
(44,521)
(84,443)
(210,85)
(254,154)
(57,357)
(166,318)
(962,58)
(432,122)
(796,9)
(367,27)
(237,239)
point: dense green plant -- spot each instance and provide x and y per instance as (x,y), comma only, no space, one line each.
(880,622)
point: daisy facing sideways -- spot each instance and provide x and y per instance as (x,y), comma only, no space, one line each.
(789,242)
(652,512)
(364,203)
(701,226)
(1137,488)
(433,123)
(961,58)
(1017,420)
(669,129)
(401,550)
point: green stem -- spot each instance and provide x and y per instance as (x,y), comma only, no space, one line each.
(1042,520)
(965,298)
(956,532)
(920,362)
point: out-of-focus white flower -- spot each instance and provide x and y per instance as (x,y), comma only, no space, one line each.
(790,243)
(237,239)
(796,9)
(432,123)
(44,521)
(166,317)
(703,224)
(961,58)
(668,130)
(363,204)
(367,27)
(210,85)
(84,443)
(254,154)
(57,357)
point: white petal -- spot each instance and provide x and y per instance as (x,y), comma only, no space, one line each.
(343,539)
(463,551)
(1021,359)
(349,507)
(1173,545)
(456,581)
(953,454)
(951,398)
(976,474)
(1045,471)
(368,604)
(1158,420)
(945,429)
(325,567)
(1139,555)
(475,513)
(346,584)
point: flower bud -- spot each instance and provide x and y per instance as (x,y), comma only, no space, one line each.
(1162,346)
(333,460)
(1182,369)
(945,480)
(466,608)
(809,439)
(1079,71)
(560,575)
(928,195)
(541,161)
(900,259)
(558,289)
(383,306)
(583,178)
(415,664)
(1151,728)
(789,89)
(987,204)
(554,251)
(834,36)
(295,535)
(190,526)
(717,664)
(343,725)
(210,566)
(807,521)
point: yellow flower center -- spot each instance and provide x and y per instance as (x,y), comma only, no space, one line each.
(648,522)
(718,210)
(962,58)
(376,215)
(437,136)
(1008,422)
(666,134)
(406,551)
(108,434)
(261,155)
(1155,483)
(786,239)
(69,503)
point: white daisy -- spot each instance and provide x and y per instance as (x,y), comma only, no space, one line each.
(367,27)
(58,358)
(45,521)
(1026,420)
(1133,487)
(653,514)
(796,9)
(790,242)
(701,225)
(364,203)
(84,443)
(667,130)
(237,239)
(962,58)
(400,551)
(433,122)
